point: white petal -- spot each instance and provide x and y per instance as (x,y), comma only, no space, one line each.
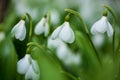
(23,64)
(21,33)
(56,32)
(31,74)
(46,29)
(40,27)
(13,31)
(35,66)
(67,33)
(100,26)
(109,29)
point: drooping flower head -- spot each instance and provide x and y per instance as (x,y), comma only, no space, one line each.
(19,30)
(102,26)
(29,67)
(33,71)
(64,32)
(42,27)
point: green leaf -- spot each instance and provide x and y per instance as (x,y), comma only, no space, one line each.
(8,60)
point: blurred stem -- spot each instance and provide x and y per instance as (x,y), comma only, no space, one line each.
(28,50)
(30,28)
(86,30)
(70,75)
(34,44)
(114,24)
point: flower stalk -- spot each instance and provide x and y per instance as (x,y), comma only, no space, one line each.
(80,17)
(30,29)
(114,24)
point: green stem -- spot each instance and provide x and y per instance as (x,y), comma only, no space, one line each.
(77,14)
(70,75)
(86,30)
(34,44)
(67,18)
(114,24)
(30,29)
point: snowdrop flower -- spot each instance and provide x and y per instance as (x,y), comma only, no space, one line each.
(19,30)
(23,64)
(102,26)
(42,27)
(29,67)
(2,36)
(64,32)
(33,71)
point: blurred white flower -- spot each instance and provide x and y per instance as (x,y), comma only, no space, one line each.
(98,40)
(23,64)
(42,27)
(2,36)
(19,30)
(64,32)
(54,44)
(55,17)
(22,7)
(102,26)
(33,71)
(73,59)
(62,52)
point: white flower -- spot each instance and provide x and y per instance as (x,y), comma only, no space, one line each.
(23,64)
(42,27)
(19,30)
(29,67)
(102,26)
(2,36)
(64,32)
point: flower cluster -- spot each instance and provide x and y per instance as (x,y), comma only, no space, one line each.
(58,38)
(64,32)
